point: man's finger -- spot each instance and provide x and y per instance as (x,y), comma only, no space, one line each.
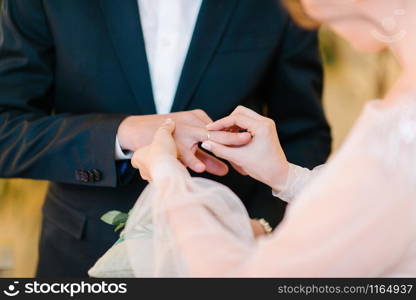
(191,161)
(198,134)
(213,165)
(202,115)
(238,169)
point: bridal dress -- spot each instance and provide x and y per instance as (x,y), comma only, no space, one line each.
(353,217)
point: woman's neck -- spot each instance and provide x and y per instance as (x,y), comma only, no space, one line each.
(405,85)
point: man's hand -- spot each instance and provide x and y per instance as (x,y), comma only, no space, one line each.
(136,132)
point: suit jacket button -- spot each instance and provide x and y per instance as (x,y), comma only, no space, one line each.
(97,176)
(82,176)
(90,176)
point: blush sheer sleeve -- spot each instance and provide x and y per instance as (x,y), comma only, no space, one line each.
(356,218)
(298,177)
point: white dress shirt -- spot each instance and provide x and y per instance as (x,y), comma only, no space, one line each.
(168,26)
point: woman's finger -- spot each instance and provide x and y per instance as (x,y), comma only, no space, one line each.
(163,141)
(145,175)
(239,120)
(138,162)
(165,130)
(228,153)
(230,138)
(247,112)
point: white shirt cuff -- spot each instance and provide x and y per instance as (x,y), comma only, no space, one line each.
(120,154)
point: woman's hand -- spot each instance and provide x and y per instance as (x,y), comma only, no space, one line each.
(163,145)
(262,158)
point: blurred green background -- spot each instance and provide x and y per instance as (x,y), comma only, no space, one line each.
(351,79)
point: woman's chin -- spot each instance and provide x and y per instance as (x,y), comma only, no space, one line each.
(368,46)
(363,42)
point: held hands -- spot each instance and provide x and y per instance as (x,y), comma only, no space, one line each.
(137,132)
(163,145)
(256,152)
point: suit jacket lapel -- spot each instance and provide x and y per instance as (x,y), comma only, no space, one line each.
(123,21)
(212,22)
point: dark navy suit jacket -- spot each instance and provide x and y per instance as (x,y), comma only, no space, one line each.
(71,70)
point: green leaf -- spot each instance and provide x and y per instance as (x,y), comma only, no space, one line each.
(110,217)
(120,219)
(119,227)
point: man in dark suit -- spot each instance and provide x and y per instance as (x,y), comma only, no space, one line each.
(83,83)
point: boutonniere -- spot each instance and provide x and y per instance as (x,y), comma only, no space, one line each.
(116,218)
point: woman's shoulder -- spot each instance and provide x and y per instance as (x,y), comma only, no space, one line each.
(393,122)
(388,131)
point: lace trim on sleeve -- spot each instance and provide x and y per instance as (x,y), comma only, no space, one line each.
(297,179)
